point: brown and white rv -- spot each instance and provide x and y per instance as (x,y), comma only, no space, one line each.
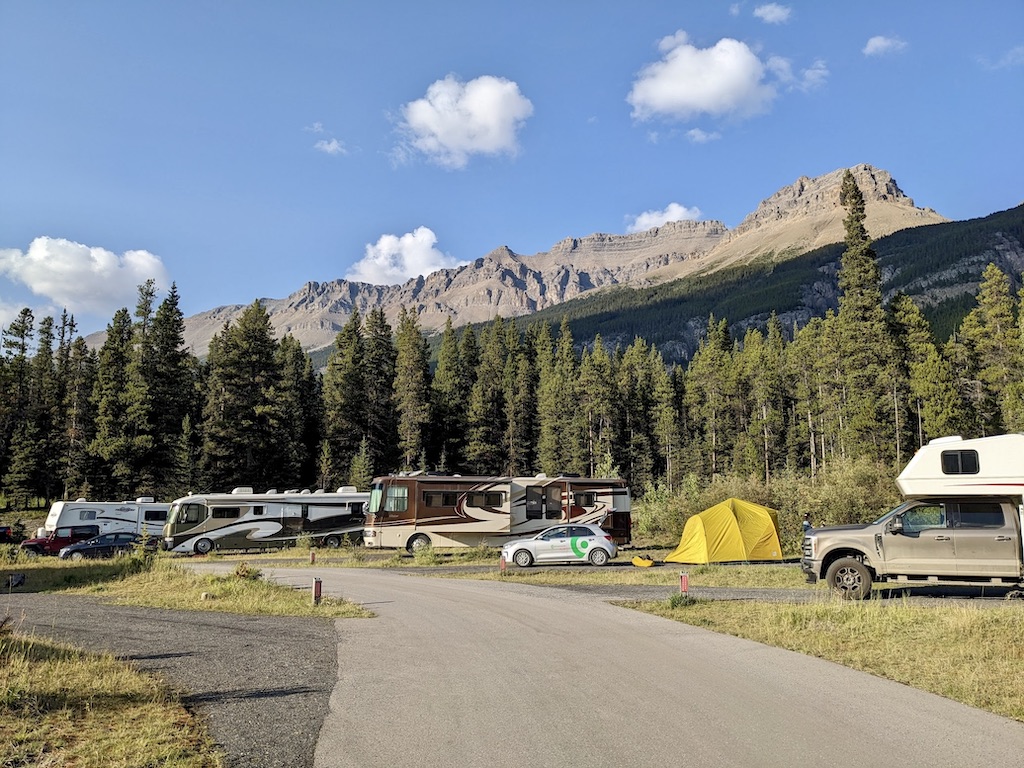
(417,510)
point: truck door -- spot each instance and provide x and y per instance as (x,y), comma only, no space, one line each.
(986,545)
(925,545)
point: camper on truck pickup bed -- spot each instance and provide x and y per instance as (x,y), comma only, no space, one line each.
(959,525)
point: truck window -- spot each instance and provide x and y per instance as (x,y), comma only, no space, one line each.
(959,462)
(920,518)
(981,515)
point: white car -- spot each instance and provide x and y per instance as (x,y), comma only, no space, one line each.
(562,544)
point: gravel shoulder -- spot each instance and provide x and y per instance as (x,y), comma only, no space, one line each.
(261,683)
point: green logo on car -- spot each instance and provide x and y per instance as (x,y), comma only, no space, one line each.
(579,546)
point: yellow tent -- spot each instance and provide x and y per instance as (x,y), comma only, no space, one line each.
(730,531)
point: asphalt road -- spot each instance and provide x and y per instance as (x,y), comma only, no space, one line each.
(462,673)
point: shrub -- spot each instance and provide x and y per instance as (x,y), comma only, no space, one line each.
(245,571)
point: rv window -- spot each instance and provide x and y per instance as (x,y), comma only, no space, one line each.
(440,498)
(586,499)
(553,503)
(225,513)
(397,499)
(155,515)
(534,503)
(87,514)
(959,462)
(257,510)
(981,515)
(484,499)
(191,513)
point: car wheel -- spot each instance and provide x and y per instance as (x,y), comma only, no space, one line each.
(598,556)
(850,578)
(522,558)
(332,542)
(204,547)
(418,542)
(76,556)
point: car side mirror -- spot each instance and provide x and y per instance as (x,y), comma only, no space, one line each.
(895,525)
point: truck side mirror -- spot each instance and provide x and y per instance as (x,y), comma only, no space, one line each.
(895,525)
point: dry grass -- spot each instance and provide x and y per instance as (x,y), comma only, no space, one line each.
(64,707)
(971,654)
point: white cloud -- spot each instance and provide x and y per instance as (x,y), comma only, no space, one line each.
(727,79)
(393,260)
(80,278)
(1012,58)
(697,136)
(316,127)
(332,147)
(880,45)
(456,120)
(806,80)
(773,13)
(672,212)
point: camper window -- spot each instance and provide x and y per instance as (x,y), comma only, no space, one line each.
(257,510)
(397,499)
(440,498)
(959,462)
(191,513)
(225,513)
(484,499)
(87,514)
(155,515)
(587,499)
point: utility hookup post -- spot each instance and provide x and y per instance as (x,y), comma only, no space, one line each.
(684,582)
(317,591)
(312,556)
(502,565)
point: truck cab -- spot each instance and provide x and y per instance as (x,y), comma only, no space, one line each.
(52,543)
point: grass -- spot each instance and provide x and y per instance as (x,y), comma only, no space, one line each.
(971,654)
(63,707)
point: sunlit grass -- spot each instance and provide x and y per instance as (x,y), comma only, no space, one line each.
(971,654)
(64,707)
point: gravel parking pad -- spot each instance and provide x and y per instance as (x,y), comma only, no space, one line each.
(262,682)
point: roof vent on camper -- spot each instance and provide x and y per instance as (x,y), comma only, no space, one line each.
(81,498)
(304,490)
(242,489)
(347,489)
(145,500)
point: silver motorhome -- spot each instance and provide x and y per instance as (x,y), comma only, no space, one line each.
(144,516)
(242,519)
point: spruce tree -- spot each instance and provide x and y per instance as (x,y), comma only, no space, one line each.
(344,395)
(381,417)
(487,420)
(449,399)
(411,387)
(112,445)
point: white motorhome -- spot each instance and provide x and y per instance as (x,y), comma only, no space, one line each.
(242,519)
(143,516)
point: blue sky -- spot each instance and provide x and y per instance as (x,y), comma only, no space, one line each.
(241,149)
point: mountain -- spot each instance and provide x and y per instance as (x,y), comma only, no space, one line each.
(795,220)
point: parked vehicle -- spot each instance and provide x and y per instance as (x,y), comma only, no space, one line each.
(245,520)
(143,516)
(417,510)
(562,544)
(960,524)
(108,545)
(52,543)
(6,534)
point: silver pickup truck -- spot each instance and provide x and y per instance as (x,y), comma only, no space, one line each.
(960,524)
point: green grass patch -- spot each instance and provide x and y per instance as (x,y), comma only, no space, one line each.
(63,707)
(740,576)
(971,654)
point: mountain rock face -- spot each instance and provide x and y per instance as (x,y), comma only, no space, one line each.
(805,215)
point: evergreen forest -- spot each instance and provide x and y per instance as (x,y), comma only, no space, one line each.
(774,411)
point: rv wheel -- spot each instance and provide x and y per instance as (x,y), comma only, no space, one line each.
(204,547)
(419,541)
(332,542)
(522,558)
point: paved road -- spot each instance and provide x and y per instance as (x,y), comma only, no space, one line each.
(462,673)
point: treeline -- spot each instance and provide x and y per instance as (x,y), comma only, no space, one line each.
(143,416)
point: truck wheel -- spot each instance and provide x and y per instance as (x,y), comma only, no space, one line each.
(204,547)
(850,578)
(332,542)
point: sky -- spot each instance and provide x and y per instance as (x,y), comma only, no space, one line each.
(242,149)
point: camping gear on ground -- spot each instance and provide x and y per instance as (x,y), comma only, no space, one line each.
(732,531)
(643,561)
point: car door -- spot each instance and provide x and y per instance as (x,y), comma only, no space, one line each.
(104,546)
(123,543)
(582,540)
(553,545)
(925,545)
(986,545)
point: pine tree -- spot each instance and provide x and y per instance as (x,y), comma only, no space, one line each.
(381,417)
(486,422)
(77,463)
(411,388)
(361,472)
(344,395)
(449,398)
(561,445)
(710,396)
(520,397)
(597,398)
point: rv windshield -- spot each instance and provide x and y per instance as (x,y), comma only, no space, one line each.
(376,494)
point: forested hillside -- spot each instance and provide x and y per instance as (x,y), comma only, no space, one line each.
(938,265)
(862,384)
